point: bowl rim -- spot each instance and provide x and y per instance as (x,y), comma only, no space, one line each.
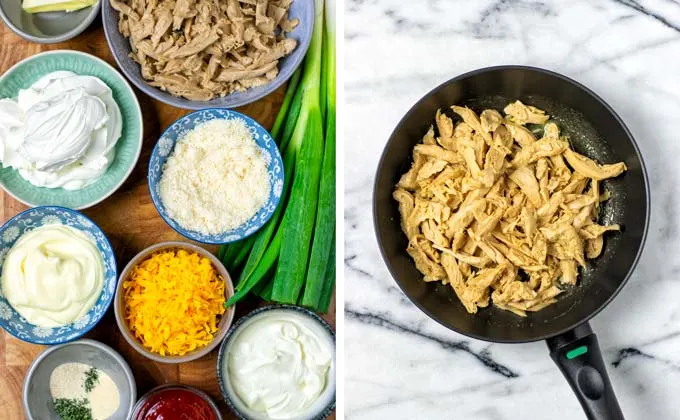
(138,113)
(462,76)
(115,271)
(157,201)
(181,102)
(222,377)
(123,326)
(160,388)
(88,342)
(66,36)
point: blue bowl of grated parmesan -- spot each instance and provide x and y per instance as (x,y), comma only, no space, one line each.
(216,176)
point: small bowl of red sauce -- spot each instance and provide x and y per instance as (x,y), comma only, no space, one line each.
(176,402)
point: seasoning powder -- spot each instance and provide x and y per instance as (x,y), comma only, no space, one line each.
(83,392)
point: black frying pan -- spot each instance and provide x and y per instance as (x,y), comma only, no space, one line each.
(595,131)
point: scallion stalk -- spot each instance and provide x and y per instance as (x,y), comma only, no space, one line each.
(323,244)
(328,286)
(297,244)
(324,230)
(285,106)
(298,220)
(259,273)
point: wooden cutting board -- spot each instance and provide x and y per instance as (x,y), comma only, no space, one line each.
(131,223)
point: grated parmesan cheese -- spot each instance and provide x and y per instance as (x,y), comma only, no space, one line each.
(216,178)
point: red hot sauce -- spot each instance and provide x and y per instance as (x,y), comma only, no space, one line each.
(176,404)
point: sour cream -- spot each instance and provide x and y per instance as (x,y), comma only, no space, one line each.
(279,364)
(53,275)
(61,132)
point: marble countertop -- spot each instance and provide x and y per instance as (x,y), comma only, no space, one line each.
(402,365)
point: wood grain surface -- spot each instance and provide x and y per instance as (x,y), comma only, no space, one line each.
(131,223)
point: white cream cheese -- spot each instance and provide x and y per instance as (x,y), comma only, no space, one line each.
(53,275)
(279,363)
(61,132)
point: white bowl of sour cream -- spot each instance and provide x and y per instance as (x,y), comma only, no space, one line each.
(278,362)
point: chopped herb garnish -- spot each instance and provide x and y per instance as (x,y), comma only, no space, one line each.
(72,409)
(91,379)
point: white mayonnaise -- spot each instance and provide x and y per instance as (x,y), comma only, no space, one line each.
(60,132)
(53,275)
(279,363)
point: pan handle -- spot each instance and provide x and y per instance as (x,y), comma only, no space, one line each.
(578,356)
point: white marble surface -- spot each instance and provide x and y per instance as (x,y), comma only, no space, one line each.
(402,365)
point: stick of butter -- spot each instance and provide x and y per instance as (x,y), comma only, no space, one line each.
(38,6)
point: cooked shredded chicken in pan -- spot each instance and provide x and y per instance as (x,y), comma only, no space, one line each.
(498,214)
(202,49)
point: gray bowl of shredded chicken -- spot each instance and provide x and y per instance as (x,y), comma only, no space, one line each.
(197,54)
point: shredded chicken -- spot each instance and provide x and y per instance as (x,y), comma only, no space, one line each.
(499,215)
(203,49)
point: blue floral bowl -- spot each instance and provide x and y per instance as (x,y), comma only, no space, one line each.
(31,219)
(264,140)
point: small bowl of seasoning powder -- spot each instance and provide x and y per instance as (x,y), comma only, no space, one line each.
(84,380)
(169,302)
(216,176)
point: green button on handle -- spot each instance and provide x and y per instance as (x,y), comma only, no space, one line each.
(578,356)
(578,351)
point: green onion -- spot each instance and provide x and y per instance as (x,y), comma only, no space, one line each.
(283,111)
(328,287)
(262,242)
(246,246)
(238,250)
(266,293)
(298,220)
(259,273)
(297,244)
(258,288)
(324,231)
(291,120)
(223,251)
(233,255)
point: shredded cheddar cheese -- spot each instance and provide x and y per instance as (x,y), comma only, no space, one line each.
(173,302)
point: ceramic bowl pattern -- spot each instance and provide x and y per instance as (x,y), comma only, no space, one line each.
(37,397)
(120,49)
(31,219)
(177,131)
(22,75)
(46,27)
(324,405)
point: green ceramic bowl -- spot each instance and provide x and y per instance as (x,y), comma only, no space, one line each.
(22,75)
